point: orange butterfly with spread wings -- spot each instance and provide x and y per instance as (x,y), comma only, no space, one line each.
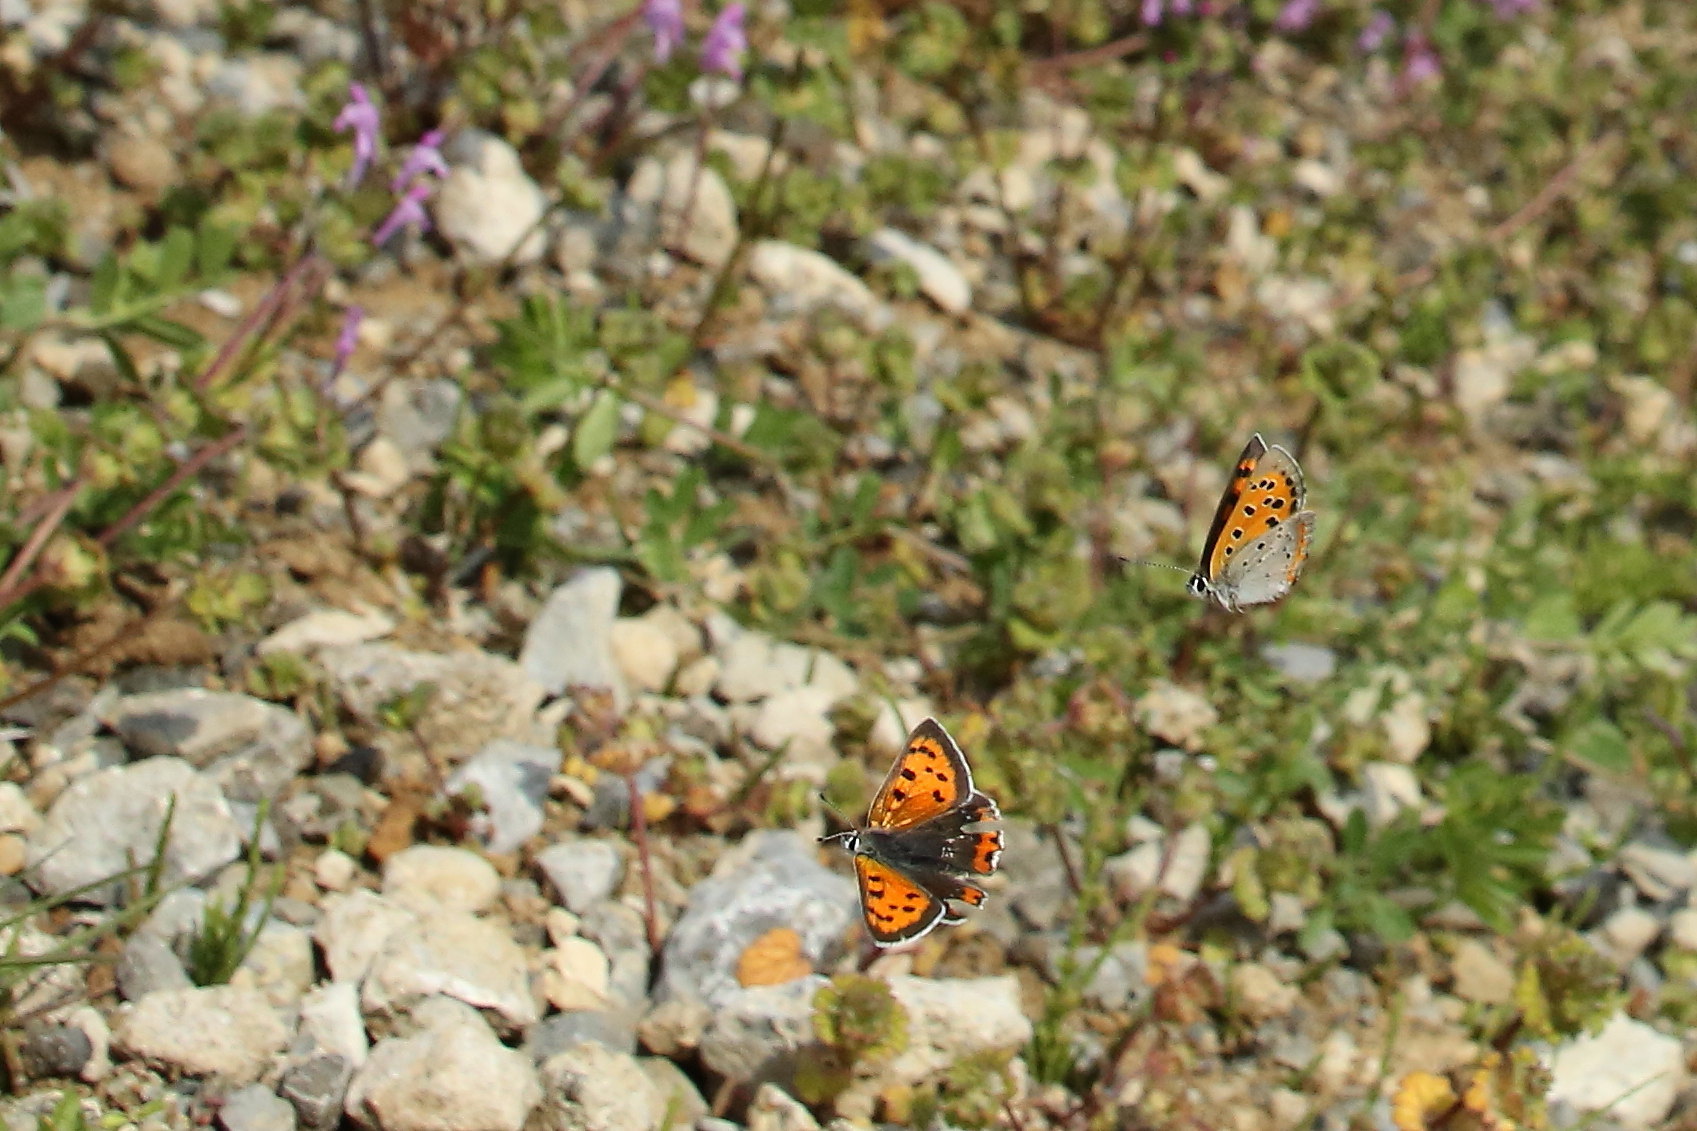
(920,845)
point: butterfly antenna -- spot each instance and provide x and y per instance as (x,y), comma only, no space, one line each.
(835,812)
(1154,565)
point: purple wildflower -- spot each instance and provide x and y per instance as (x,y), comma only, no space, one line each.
(426,157)
(1296,15)
(1420,63)
(1183,7)
(360,116)
(349,336)
(1380,27)
(666,20)
(1153,11)
(407,213)
(1508,9)
(726,41)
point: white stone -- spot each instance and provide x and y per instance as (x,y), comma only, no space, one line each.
(1175,714)
(1628,1071)
(452,1074)
(334,870)
(590,1087)
(800,280)
(1388,788)
(327,628)
(1259,994)
(456,955)
(229,1031)
(576,976)
(488,207)
(689,205)
(429,877)
(645,653)
(939,279)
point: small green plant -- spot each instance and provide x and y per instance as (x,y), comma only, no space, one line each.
(225,937)
(860,1024)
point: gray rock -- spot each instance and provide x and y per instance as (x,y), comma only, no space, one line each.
(149,964)
(774,1109)
(800,281)
(1479,975)
(939,279)
(613,1029)
(258,83)
(772,879)
(256,1108)
(1660,873)
(331,1025)
(54,1050)
(683,1100)
(591,1088)
(474,697)
(1628,1071)
(317,1088)
(511,782)
(429,877)
(679,205)
(280,965)
(452,1073)
(354,930)
(488,207)
(457,955)
(756,1032)
(230,1031)
(950,1019)
(623,937)
(754,666)
(327,628)
(418,414)
(1301,663)
(109,820)
(583,871)
(569,644)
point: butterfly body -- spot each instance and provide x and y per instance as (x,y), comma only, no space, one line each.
(1261,532)
(922,845)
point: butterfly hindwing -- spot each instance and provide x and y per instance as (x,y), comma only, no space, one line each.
(1268,568)
(896,909)
(929,778)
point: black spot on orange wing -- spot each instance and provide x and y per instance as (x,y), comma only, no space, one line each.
(1212,559)
(895,908)
(939,775)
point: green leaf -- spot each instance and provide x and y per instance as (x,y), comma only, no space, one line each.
(24,303)
(1601,744)
(596,430)
(176,253)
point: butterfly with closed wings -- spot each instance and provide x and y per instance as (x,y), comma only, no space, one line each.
(1258,543)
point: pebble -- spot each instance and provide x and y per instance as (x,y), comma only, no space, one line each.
(682,1099)
(1260,994)
(1628,933)
(331,1024)
(53,1050)
(430,877)
(800,281)
(317,1088)
(1479,975)
(327,628)
(1301,663)
(646,654)
(280,965)
(334,870)
(683,206)
(939,279)
(1387,789)
(355,928)
(774,1109)
(453,1072)
(583,871)
(592,1087)
(1628,1071)
(1175,714)
(106,821)
(256,1108)
(754,666)
(770,879)
(249,747)
(569,643)
(758,1031)
(488,207)
(1659,873)
(560,1031)
(576,976)
(229,1031)
(457,955)
(510,780)
(474,697)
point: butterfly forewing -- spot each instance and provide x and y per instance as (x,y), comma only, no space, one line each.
(1252,452)
(930,777)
